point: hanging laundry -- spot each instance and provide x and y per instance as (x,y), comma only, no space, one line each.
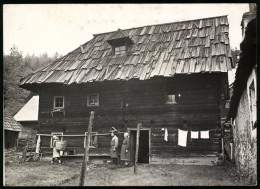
(37,150)
(195,134)
(166,135)
(204,134)
(182,138)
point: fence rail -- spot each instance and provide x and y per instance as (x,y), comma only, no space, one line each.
(94,134)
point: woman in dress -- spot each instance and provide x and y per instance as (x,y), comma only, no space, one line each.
(125,153)
(56,153)
(114,146)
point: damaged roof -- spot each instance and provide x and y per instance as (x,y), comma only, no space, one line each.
(194,46)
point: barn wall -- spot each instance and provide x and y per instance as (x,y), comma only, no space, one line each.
(199,105)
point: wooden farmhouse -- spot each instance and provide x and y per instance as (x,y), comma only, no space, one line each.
(168,76)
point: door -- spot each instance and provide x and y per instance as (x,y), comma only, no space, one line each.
(143,152)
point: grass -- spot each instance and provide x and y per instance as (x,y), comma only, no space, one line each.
(68,174)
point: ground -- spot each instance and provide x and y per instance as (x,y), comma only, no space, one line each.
(44,173)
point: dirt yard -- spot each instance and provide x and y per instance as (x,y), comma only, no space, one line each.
(103,174)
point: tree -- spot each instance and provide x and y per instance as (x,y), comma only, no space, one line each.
(14,70)
(36,62)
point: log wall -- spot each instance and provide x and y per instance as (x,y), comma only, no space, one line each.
(124,104)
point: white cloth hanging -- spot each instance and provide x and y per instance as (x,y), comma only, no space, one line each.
(204,134)
(195,134)
(166,135)
(182,138)
(37,150)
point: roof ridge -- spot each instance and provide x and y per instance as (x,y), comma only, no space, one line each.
(159,24)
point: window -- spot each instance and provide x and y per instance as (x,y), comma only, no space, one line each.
(93,100)
(93,140)
(120,50)
(171,99)
(58,134)
(58,102)
(252,100)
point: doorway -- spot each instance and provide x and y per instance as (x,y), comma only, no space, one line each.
(144,145)
(11,138)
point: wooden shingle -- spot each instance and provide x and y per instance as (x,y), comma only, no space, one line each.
(159,50)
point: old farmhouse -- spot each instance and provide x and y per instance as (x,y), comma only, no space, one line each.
(167,77)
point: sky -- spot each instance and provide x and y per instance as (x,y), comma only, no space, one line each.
(39,28)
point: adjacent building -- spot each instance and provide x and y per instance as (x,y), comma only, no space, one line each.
(27,116)
(243,105)
(11,132)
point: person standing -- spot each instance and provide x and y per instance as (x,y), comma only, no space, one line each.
(114,146)
(56,153)
(125,153)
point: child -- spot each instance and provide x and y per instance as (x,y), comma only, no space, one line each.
(114,146)
(125,154)
(56,153)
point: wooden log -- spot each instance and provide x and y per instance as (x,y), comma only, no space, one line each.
(139,125)
(86,152)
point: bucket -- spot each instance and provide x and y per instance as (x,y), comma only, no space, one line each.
(61,145)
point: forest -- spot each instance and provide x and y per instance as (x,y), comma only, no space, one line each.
(15,67)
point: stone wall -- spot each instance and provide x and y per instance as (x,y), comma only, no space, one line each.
(245,141)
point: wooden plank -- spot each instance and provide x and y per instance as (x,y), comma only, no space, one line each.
(169,68)
(223,64)
(86,152)
(180,66)
(163,69)
(137,146)
(192,65)
(158,66)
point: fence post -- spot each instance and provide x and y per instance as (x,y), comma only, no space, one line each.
(139,126)
(86,152)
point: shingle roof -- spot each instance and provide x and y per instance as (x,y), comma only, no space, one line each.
(193,46)
(10,123)
(29,112)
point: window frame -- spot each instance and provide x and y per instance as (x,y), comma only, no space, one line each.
(120,52)
(88,100)
(54,102)
(58,134)
(172,94)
